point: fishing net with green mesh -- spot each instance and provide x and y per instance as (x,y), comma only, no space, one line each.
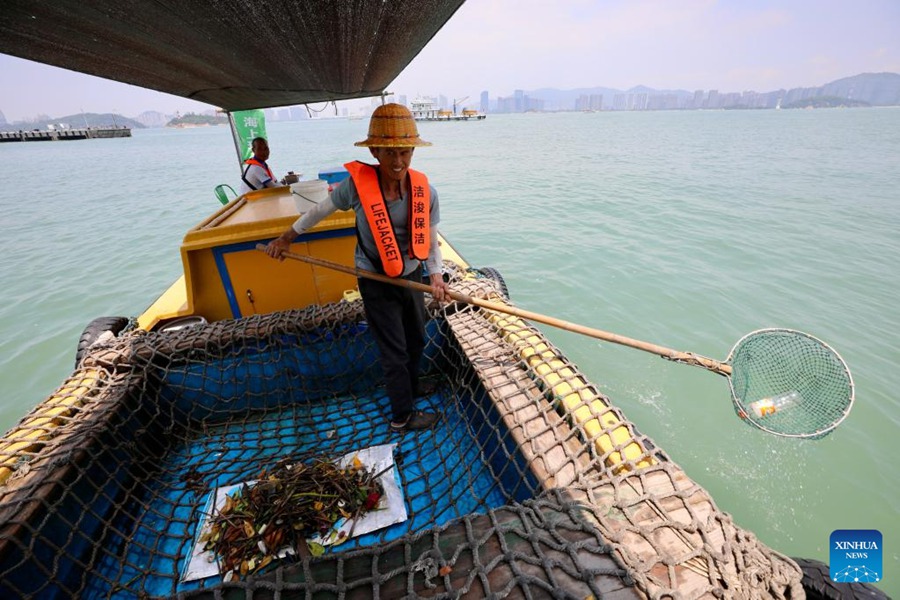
(789,383)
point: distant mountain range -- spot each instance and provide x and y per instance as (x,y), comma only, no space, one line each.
(875,89)
(878,89)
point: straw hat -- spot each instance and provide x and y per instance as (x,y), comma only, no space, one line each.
(392,126)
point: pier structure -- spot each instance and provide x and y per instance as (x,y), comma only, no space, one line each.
(55,135)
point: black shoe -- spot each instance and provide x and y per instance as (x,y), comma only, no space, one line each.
(415,421)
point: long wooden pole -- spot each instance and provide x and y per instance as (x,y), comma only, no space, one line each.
(667,353)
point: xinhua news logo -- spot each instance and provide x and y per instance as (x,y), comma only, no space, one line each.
(855,555)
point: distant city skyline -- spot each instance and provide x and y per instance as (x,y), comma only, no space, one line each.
(505,45)
(861,89)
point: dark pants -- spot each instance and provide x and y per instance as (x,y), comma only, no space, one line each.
(396,318)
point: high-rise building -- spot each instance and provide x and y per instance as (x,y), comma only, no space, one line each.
(152,118)
(730,100)
(640,101)
(519,101)
(534,104)
(589,102)
(506,105)
(697,102)
(485,102)
(751,99)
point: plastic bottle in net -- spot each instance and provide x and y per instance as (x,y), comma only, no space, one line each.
(770,406)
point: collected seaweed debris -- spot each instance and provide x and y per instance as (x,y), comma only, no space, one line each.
(284,507)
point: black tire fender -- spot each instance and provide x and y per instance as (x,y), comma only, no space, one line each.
(818,584)
(494,274)
(94,330)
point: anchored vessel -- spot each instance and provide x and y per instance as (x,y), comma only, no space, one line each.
(533,483)
(426,109)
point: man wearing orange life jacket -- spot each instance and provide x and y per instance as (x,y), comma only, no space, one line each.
(257,174)
(397,212)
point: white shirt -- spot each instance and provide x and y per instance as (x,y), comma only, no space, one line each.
(255,177)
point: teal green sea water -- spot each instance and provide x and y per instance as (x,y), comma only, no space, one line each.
(685,229)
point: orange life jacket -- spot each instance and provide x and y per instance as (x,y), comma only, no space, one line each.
(377,215)
(262,165)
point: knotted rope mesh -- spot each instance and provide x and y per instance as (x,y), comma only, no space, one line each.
(531,485)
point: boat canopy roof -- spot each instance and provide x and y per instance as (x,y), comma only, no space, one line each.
(234,54)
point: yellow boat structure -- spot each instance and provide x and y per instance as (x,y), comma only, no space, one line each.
(226,277)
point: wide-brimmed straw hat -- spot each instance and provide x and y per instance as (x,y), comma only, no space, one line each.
(392,126)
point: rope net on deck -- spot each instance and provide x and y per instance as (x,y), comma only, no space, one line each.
(531,485)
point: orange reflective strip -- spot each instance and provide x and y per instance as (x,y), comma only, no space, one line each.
(419,215)
(366,179)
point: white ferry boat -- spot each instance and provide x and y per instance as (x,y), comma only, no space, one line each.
(426,109)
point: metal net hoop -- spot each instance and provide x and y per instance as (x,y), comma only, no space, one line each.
(771,366)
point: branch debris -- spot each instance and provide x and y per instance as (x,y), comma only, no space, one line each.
(285,507)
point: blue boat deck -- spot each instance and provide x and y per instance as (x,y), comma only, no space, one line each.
(228,427)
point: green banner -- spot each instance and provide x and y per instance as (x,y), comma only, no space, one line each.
(246,125)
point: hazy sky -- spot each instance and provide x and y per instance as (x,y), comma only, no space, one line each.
(503,45)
